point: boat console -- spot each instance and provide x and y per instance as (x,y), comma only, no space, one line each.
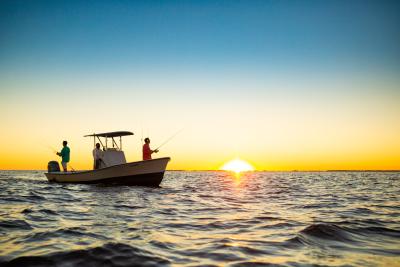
(111,155)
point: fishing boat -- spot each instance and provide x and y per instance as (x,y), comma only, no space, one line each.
(113,168)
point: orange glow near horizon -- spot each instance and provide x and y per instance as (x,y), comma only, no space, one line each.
(28,155)
(331,131)
(237,166)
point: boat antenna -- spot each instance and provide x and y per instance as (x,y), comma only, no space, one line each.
(169,139)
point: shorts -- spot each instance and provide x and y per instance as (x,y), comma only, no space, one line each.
(64,165)
(97,164)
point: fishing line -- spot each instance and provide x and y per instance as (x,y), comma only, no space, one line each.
(169,139)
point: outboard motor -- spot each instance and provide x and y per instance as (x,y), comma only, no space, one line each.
(53,166)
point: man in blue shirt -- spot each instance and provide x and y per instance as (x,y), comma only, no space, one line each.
(64,154)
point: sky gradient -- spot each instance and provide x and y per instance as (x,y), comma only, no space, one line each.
(284,85)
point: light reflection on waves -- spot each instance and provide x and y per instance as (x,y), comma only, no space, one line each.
(200,218)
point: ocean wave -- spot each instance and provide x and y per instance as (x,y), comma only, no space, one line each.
(14,224)
(379,231)
(73,232)
(203,219)
(325,234)
(110,254)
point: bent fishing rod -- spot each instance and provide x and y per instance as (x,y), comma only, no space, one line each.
(169,139)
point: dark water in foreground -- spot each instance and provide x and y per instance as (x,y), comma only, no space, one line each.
(203,218)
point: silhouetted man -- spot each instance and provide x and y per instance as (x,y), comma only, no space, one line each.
(64,154)
(97,156)
(146,149)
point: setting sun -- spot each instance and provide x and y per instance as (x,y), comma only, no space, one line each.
(237,165)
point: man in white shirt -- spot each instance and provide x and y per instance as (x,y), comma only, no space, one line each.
(97,156)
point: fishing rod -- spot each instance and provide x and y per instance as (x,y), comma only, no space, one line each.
(52,149)
(169,139)
(48,147)
(71,166)
(141,139)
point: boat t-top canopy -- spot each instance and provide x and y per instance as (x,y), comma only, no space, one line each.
(109,135)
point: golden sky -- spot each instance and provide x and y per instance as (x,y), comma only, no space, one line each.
(279,130)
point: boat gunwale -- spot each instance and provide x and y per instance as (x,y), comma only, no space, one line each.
(118,165)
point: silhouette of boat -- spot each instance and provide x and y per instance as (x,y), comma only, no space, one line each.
(113,169)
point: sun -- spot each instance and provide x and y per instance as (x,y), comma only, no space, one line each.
(237,165)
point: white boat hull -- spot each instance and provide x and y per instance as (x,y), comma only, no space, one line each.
(148,172)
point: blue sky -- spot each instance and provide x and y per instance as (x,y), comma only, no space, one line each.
(117,35)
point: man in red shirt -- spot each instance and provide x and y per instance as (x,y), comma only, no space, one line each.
(146,149)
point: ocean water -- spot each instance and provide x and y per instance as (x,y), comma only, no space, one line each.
(203,219)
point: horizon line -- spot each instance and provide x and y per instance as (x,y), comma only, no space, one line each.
(209,170)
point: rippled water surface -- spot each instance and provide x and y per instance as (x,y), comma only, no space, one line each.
(203,218)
